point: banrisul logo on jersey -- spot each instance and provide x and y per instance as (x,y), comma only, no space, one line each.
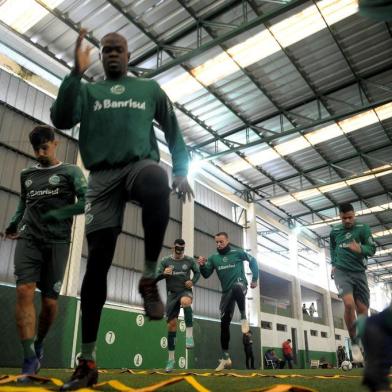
(28,182)
(117,89)
(111,104)
(54,180)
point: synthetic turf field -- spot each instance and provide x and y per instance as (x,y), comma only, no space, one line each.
(225,383)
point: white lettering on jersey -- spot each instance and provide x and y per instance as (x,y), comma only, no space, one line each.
(44,192)
(109,104)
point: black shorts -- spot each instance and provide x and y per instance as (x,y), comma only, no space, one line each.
(173,303)
(107,193)
(41,263)
(228,302)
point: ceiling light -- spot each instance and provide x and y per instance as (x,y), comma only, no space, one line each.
(358,121)
(184,84)
(287,32)
(215,69)
(336,10)
(265,155)
(323,134)
(312,138)
(383,252)
(336,219)
(384,111)
(382,233)
(195,166)
(286,148)
(379,266)
(299,26)
(317,191)
(254,49)
(23,19)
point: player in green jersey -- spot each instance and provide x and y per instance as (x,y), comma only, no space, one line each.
(42,225)
(229,265)
(118,145)
(376,335)
(351,243)
(176,269)
(376,9)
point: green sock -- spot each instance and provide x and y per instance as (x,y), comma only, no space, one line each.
(360,326)
(88,351)
(243,315)
(188,316)
(28,348)
(226,355)
(149,269)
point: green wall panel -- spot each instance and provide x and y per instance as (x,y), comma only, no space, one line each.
(58,344)
(208,351)
(128,340)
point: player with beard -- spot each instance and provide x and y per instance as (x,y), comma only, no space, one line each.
(351,243)
(228,262)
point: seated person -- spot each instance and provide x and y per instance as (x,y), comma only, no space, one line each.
(271,355)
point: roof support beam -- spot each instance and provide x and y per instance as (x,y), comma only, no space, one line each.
(224,37)
(298,129)
(333,90)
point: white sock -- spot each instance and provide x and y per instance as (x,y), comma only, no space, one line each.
(189,332)
(171,355)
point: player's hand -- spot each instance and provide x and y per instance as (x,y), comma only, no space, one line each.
(355,247)
(11,233)
(168,271)
(182,188)
(253,285)
(82,55)
(201,260)
(12,236)
(188,284)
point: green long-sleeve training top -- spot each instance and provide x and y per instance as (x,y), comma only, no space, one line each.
(116,121)
(230,267)
(344,258)
(47,202)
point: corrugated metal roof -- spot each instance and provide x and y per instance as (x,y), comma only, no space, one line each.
(328,72)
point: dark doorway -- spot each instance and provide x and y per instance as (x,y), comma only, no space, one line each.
(306,348)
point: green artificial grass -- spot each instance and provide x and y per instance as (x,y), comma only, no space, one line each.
(217,383)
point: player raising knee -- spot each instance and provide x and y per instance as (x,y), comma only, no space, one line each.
(229,265)
(176,269)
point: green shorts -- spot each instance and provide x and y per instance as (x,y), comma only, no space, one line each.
(355,283)
(41,263)
(173,303)
(108,191)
